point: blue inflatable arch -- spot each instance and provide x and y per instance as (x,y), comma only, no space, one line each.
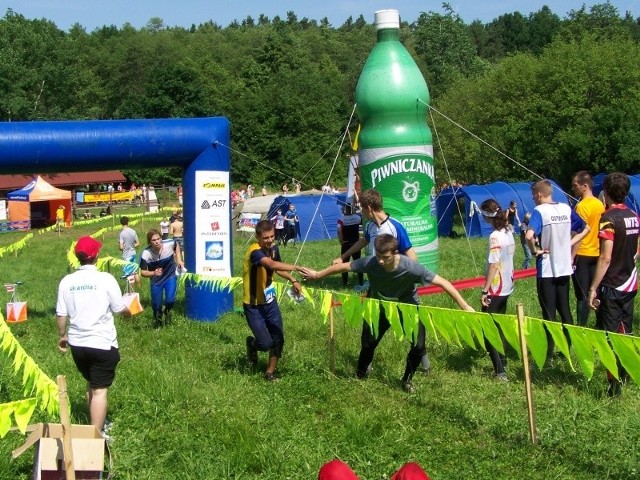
(199,145)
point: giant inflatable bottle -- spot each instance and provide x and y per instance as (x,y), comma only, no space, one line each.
(396,153)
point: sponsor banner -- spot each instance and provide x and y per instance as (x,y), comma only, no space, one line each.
(213,225)
(248,222)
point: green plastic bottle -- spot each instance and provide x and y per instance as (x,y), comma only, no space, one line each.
(396,151)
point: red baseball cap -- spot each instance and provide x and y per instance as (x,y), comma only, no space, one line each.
(336,470)
(88,246)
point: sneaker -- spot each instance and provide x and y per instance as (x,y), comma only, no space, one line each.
(106,438)
(369,369)
(408,387)
(107,426)
(502,377)
(270,377)
(252,353)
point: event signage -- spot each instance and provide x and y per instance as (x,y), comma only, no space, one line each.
(212,219)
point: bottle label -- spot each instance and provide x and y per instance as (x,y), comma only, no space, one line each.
(405,178)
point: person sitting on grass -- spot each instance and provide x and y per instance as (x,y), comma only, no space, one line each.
(393,277)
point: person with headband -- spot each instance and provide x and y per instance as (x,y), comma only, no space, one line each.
(498,284)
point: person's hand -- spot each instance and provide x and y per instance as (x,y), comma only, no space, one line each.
(63,344)
(297,287)
(594,303)
(309,274)
(157,272)
(541,251)
(468,308)
(485,300)
(337,261)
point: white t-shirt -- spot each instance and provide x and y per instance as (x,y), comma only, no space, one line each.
(88,297)
(501,249)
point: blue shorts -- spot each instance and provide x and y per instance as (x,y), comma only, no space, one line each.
(265,322)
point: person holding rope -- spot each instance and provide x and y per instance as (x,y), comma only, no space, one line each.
(259,302)
(392,277)
(498,284)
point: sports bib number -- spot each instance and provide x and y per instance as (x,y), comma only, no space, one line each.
(269,294)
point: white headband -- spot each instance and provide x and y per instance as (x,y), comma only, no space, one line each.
(489,214)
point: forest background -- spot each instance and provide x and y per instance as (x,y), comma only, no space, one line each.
(521,96)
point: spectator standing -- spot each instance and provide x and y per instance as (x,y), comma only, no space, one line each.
(91,331)
(264,190)
(615,282)
(164,228)
(128,240)
(498,284)
(512,216)
(291,223)
(552,223)
(590,209)
(60,216)
(278,222)
(260,304)
(348,235)
(158,262)
(526,263)
(176,229)
(285,189)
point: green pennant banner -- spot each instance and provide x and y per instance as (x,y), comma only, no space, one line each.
(536,340)
(581,344)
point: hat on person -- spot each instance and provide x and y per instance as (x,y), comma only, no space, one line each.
(336,470)
(88,247)
(410,471)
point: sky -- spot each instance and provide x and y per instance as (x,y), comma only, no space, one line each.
(92,14)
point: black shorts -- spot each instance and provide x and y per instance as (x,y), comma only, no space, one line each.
(98,367)
(615,313)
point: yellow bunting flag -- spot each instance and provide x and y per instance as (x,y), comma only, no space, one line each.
(536,340)
(391,312)
(409,320)
(371,314)
(584,351)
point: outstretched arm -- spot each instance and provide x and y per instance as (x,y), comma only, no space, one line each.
(311,274)
(452,292)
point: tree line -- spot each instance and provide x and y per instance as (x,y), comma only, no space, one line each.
(518,97)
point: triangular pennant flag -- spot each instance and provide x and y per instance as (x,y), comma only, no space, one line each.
(409,320)
(445,324)
(489,330)
(464,330)
(22,411)
(352,309)
(582,348)
(425,317)
(325,304)
(536,339)
(623,346)
(391,312)
(599,341)
(371,314)
(5,418)
(509,327)
(556,330)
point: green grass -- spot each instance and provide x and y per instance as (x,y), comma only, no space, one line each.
(185,405)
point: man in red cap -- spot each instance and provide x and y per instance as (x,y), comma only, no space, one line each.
(88,298)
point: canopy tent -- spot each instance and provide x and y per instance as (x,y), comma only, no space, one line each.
(473,195)
(35,204)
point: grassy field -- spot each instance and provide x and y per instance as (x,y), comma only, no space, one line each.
(185,405)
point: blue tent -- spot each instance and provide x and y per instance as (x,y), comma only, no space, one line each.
(325,210)
(633,199)
(452,198)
